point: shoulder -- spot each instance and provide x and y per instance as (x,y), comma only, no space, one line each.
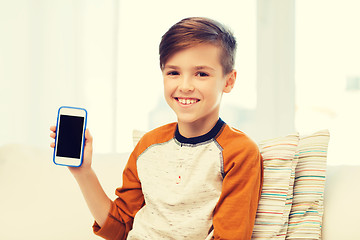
(237,148)
(160,134)
(232,139)
(156,136)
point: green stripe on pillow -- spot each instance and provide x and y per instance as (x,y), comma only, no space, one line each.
(307,210)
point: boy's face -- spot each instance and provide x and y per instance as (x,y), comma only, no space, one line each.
(194,83)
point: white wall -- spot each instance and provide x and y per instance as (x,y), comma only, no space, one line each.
(275,68)
(103,56)
(54,53)
(327,58)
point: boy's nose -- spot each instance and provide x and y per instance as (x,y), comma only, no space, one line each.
(186,85)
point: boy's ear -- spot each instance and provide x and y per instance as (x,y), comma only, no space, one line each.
(230,81)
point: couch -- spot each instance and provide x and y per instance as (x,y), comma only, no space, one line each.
(40,200)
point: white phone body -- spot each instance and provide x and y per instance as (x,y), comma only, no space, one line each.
(70,136)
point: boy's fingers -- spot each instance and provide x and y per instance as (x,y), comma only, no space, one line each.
(52,135)
(52,144)
(53,128)
(88,136)
(89,141)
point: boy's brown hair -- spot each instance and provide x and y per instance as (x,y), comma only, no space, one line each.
(190,32)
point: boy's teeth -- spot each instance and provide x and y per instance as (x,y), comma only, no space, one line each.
(187,101)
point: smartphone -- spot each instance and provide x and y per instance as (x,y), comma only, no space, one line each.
(70,136)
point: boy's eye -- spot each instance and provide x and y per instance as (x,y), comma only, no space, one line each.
(202,74)
(173,73)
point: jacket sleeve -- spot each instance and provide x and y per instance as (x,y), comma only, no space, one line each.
(235,212)
(129,201)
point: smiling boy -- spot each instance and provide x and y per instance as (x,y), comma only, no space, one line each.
(197,178)
(193,84)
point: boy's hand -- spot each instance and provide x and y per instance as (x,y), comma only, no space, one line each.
(87,158)
(97,200)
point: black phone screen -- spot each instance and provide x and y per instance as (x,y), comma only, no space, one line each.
(70,135)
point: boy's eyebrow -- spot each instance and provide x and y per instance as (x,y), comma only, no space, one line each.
(196,67)
(171,66)
(204,67)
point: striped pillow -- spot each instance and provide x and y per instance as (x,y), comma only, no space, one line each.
(276,198)
(307,210)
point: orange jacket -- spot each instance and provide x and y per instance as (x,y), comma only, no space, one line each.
(234,211)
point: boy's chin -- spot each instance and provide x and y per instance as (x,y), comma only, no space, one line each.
(190,120)
(186,119)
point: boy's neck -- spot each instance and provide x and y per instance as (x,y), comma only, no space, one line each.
(196,129)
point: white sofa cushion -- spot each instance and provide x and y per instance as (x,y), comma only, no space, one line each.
(341,200)
(40,200)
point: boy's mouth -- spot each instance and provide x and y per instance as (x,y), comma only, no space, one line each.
(187,101)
